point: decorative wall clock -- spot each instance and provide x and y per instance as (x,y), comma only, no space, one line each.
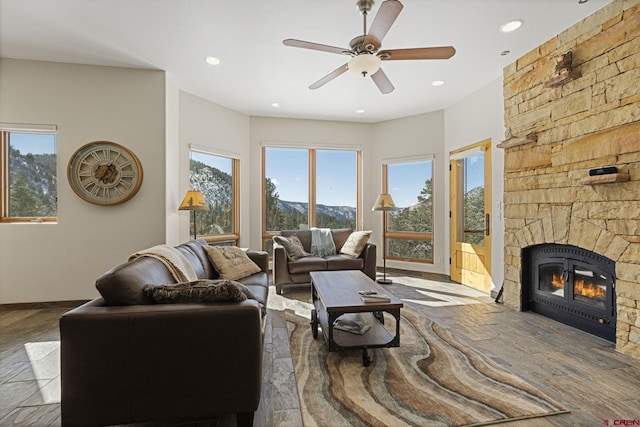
(104,173)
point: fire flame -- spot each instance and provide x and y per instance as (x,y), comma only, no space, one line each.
(580,287)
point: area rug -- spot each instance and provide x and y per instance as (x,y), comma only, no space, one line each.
(430,380)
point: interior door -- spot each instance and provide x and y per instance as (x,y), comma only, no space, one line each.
(470,201)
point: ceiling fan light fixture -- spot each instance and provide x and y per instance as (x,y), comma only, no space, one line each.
(364,64)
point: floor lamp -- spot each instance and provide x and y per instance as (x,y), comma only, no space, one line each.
(194,201)
(385,204)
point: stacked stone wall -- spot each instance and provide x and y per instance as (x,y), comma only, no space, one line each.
(590,122)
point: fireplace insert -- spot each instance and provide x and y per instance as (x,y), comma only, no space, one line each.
(571,285)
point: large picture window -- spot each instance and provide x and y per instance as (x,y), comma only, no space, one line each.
(305,188)
(410,228)
(29,175)
(217,178)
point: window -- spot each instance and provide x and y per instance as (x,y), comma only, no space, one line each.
(217,178)
(410,228)
(29,173)
(473,198)
(306,188)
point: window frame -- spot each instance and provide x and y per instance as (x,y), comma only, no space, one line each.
(234,236)
(312,157)
(5,130)
(408,235)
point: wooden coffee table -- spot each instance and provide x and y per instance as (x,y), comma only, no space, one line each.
(335,293)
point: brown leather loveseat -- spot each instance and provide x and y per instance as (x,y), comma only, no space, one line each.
(288,271)
(126,359)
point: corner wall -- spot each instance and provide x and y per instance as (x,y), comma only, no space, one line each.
(56,262)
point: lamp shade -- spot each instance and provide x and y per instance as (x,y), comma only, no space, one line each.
(384,203)
(194,201)
(364,64)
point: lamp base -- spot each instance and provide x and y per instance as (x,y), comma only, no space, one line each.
(384,281)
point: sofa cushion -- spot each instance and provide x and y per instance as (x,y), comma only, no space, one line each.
(203,267)
(122,285)
(307,264)
(355,243)
(293,246)
(231,262)
(198,291)
(344,262)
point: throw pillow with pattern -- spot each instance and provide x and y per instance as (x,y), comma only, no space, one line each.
(231,262)
(355,243)
(292,246)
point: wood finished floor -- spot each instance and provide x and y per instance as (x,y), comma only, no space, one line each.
(582,372)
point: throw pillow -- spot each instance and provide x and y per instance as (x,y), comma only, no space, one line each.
(355,243)
(198,291)
(292,246)
(231,262)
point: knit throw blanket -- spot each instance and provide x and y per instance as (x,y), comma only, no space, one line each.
(322,242)
(176,263)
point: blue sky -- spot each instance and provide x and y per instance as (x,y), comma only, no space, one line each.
(288,169)
(33,143)
(223,164)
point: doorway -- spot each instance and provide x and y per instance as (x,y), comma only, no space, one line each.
(470,215)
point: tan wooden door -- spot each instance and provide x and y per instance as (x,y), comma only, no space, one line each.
(470,201)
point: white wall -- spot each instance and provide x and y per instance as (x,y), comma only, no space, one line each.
(476,118)
(413,136)
(55,262)
(224,132)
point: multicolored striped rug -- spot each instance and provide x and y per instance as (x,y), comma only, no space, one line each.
(430,380)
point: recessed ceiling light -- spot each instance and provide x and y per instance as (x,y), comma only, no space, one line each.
(505,52)
(359,111)
(275,105)
(437,83)
(212,60)
(511,26)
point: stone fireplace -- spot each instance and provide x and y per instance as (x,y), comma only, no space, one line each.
(558,130)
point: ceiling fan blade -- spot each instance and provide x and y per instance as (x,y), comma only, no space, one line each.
(382,81)
(441,52)
(332,75)
(315,46)
(387,14)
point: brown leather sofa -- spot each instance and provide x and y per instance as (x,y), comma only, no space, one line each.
(287,272)
(126,359)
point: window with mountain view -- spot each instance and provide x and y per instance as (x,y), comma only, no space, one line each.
(214,176)
(306,188)
(29,176)
(410,228)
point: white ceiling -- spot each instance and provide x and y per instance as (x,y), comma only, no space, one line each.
(257,70)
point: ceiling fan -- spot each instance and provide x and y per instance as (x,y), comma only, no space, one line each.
(364,50)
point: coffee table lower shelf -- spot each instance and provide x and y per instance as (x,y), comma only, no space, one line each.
(376,337)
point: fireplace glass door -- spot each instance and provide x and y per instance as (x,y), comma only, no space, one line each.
(551,279)
(589,287)
(573,286)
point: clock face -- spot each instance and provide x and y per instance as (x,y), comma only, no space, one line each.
(104,173)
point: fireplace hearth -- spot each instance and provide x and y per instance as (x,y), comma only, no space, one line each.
(571,285)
